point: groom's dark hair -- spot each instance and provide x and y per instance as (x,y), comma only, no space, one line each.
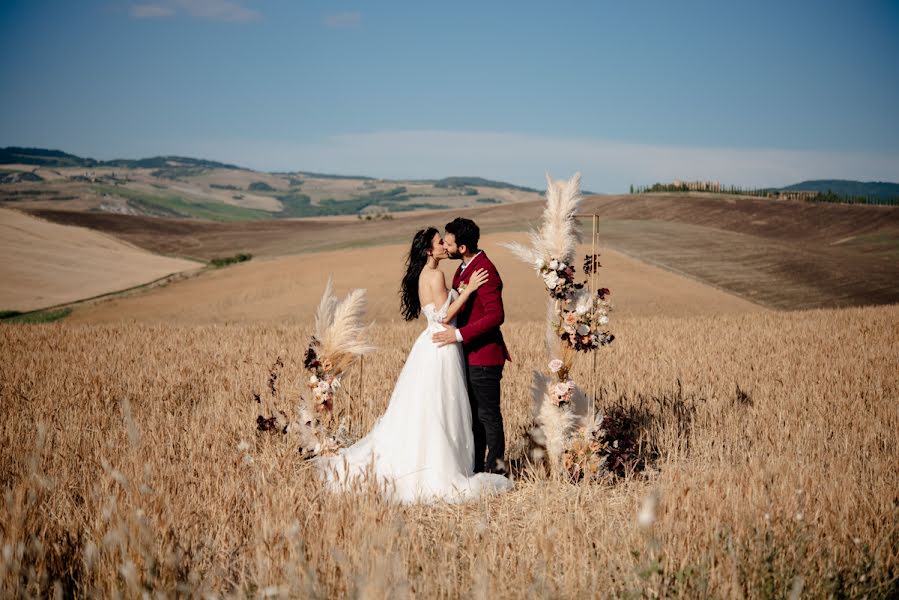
(466,233)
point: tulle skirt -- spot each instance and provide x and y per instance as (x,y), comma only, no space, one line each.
(422,448)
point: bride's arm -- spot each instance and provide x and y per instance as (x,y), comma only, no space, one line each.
(477,280)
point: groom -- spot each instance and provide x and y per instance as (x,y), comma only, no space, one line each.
(482,342)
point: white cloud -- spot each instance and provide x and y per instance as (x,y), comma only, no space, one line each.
(343,19)
(216,10)
(607,165)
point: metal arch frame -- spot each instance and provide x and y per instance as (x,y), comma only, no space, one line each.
(595,220)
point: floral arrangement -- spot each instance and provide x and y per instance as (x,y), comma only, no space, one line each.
(338,342)
(577,319)
(563,390)
(558,277)
(603,447)
(323,383)
(583,316)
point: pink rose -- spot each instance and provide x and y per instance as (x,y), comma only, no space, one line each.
(561,389)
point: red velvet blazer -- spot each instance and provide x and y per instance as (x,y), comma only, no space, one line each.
(480,318)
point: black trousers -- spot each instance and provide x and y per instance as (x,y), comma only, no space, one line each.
(486,418)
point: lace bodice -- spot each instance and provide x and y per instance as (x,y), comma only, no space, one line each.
(435,315)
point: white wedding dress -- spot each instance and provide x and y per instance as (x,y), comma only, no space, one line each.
(422,448)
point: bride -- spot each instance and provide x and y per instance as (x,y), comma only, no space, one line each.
(422,448)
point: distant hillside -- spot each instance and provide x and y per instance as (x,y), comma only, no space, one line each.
(847,187)
(56,158)
(43,157)
(189,188)
(172,167)
(332,176)
(165,162)
(461,182)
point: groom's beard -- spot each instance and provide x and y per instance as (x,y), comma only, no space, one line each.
(456,255)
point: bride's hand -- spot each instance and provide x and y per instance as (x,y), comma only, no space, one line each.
(478,279)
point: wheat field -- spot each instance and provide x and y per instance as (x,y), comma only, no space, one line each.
(771,442)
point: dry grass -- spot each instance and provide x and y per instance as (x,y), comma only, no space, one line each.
(773,439)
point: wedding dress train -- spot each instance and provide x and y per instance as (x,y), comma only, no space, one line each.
(422,448)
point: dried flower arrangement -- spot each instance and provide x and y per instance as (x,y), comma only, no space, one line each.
(338,342)
(565,437)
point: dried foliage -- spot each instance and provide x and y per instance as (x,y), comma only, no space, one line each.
(340,328)
(558,234)
(339,341)
(566,436)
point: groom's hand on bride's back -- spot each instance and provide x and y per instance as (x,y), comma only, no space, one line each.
(445,337)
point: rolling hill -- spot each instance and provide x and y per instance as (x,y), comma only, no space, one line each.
(187,188)
(846,187)
(780,254)
(46,264)
(286,289)
(784,254)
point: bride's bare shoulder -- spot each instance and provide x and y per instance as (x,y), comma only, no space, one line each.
(431,287)
(432,276)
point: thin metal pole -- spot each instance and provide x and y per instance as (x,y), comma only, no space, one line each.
(593,317)
(595,219)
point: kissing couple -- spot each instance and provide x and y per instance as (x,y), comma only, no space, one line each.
(444,412)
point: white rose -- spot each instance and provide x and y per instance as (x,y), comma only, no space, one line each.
(553,264)
(561,389)
(554,365)
(324,386)
(583,329)
(552,280)
(313,380)
(581,309)
(562,265)
(603,320)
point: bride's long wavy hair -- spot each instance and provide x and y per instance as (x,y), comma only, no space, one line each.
(410,304)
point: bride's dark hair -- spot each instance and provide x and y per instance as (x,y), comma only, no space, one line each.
(410,304)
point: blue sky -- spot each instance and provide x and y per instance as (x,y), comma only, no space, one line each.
(748,93)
